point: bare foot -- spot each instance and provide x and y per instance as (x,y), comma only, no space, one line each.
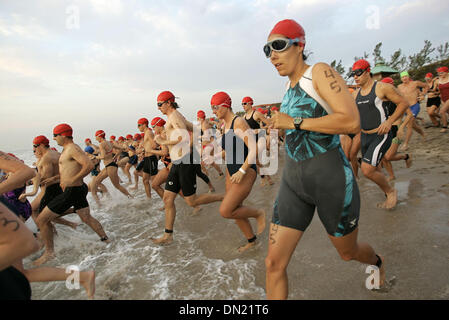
(211,190)
(409,161)
(165,239)
(246,247)
(196,210)
(162,209)
(262,182)
(392,199)
(43,259)
(87,280)
(73,225)
(261,223)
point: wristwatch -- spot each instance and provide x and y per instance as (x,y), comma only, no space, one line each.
(297,121)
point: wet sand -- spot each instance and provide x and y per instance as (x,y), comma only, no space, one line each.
(413,238)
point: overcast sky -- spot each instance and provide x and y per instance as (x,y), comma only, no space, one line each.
(100,64)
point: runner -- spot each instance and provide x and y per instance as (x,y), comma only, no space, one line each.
(162,151)
(206,139)
(254,118)
(74,165)
(241,170)
(95,172)
(397,131)
(182,175)
(410,90)
(150,167)
(372,101)
(110,167)
(17,242)
(48,170)
(89,143)
(313,122)
(433,99)
(443,86)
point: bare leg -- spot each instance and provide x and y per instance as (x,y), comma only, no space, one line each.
(170,215)
(375,175)
(112,173)
(146,183)
(281,245)
(93,223)
(349,249)
(43,222)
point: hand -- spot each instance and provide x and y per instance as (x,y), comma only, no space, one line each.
(158,139)
(22,197)
(281,121)
(384,128)
(45,182)
(237,177)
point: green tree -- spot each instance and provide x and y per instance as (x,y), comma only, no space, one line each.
(338,66)
(443,52)
(416,61)
(397,61)
(377,53)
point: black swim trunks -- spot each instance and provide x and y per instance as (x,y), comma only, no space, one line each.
(71,197)
(51,192)
(132,160)
(374,147)
(14,285)
(150,165)
(112,164)
(433,102)
(182,176)
(140,165)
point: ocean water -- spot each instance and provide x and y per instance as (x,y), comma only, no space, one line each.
(202,262)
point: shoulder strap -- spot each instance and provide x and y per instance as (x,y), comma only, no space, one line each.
(306,84)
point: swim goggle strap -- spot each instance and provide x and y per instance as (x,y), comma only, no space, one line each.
(280,44)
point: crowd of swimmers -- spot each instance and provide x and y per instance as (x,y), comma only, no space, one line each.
(322,124)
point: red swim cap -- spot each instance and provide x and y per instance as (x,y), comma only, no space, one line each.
(442,69)
(260,110)
(87,140)
(166,96)
(129,136)
(247,99)
(41,140)
(137,136)
(361,64)
(387,80)
(429,75)
(63,129)
(290,29)
(112,138)
(158,121)
(121,138)
(221,99)
(143,121)
(275,109)
(100,133)
(201,114)
(53,148)
(142,134)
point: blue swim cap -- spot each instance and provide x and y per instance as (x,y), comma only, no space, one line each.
(89,149)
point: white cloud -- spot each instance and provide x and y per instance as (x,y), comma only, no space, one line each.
(16,25)
(114,7)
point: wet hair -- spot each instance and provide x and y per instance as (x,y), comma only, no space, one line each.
(174,104)
(304,56)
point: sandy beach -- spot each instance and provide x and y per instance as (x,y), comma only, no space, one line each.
(203,262)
